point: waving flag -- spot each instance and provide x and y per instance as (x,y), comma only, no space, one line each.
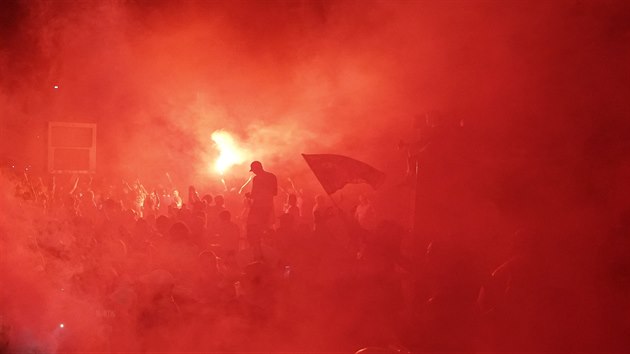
(335,171)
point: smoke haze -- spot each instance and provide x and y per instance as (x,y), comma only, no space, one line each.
(540,90)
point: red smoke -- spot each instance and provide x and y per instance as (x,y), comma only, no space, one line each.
(539,89)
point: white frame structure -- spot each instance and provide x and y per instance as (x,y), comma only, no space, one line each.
(91,149)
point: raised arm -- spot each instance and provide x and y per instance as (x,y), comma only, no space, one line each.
(74,187)
(240,191)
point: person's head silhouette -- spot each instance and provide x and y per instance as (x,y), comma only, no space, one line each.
(256,167)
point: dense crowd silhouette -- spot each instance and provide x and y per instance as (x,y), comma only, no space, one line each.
(92,265)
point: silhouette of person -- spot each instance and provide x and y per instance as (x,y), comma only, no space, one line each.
(365,214)
(228,233)
(264,189)
(292,208)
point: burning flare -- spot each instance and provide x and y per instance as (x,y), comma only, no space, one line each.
(230,153)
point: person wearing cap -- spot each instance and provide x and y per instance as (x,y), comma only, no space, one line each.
(260,218)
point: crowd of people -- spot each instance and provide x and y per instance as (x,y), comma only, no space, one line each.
(122,267)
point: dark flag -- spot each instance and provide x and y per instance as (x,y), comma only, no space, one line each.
(335,171)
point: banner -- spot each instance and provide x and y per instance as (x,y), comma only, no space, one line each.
(335,171)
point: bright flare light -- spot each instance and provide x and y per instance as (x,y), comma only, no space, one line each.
(229,153)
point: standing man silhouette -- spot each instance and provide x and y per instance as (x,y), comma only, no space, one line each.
(260,218)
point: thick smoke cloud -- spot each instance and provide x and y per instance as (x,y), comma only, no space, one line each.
(308,76)
(541,89)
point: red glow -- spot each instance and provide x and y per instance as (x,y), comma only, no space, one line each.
(126,198)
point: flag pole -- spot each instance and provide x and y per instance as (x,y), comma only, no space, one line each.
(334,202)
